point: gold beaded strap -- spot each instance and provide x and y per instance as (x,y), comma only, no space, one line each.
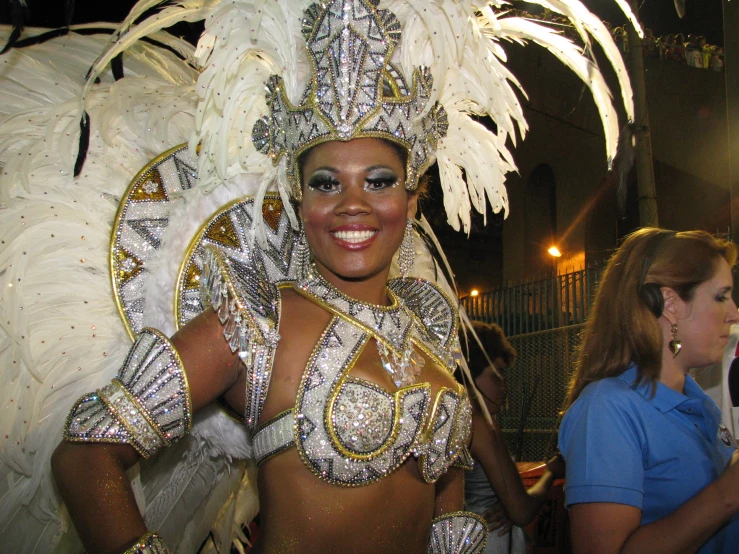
(458,533)
(147,405)
(151,543)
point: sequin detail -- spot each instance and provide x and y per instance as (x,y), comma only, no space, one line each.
(274,436)
(458,533)
(354,91)
(351,432)
(239,280)
(146,406)
(151,543)
(451,423)
(142,219)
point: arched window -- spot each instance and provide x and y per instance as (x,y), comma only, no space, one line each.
(540,221)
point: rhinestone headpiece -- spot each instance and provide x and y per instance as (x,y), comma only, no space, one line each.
(354,92)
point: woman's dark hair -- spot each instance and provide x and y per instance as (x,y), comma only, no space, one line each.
(495,343)
(623,326)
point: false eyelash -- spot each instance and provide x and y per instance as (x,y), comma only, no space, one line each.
(389,181)
(320,181)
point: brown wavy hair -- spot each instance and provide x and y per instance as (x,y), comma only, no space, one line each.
(623,326)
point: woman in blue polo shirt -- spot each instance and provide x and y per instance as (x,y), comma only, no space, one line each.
(650,467)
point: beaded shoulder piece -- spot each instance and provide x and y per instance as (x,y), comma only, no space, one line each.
(439,318)
(239,281)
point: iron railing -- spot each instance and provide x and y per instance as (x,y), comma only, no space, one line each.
(543,321)
(551,303)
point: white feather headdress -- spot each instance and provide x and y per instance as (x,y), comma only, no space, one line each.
(246,41)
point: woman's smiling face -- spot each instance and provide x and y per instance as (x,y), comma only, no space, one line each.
(355,207)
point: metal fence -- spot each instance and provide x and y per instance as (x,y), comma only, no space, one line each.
(543,321)
(537,306)
(536,390)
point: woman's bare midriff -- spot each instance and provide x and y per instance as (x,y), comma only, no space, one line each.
(302,513)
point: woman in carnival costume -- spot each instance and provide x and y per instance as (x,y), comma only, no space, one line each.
(327,115)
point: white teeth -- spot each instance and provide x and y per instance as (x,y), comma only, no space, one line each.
(354,236)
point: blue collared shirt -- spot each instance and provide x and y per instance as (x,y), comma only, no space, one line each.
(624,446)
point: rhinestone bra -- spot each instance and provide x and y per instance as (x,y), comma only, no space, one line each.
(351,432)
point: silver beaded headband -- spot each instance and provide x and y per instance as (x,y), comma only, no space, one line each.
(354,92)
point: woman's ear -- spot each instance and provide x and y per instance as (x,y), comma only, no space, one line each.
(674,305)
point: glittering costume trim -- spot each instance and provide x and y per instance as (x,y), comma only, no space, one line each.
(330,452)
(464,460)
(447,437)
(227,271)
(250,318)
(458,533)
(147,405)
(354,91)
(437,334)
(151,543)
(274,436)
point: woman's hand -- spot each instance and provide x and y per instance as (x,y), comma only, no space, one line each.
(497,518)
(556,465)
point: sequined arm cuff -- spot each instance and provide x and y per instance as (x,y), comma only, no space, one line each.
(458,533)
(151,543)
(147,405)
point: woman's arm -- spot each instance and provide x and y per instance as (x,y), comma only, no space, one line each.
(449,492)
(92,477)
(606,528)
(490,450)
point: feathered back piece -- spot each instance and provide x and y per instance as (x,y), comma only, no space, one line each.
(255,62)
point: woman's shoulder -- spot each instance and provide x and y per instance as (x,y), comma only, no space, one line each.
(608,395)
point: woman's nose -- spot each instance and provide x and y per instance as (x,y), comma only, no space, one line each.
(733,313)
(354,200)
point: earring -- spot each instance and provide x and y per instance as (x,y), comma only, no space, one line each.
(302,255)
(407,252)
(675,344)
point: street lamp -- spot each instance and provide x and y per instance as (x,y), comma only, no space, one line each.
(554,252)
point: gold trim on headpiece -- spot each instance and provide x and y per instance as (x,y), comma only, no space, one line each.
(354,92)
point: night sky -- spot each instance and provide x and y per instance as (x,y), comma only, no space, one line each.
(703,17)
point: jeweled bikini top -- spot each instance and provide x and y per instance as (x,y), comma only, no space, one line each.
(347,431)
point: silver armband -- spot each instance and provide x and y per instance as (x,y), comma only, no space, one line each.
(151,543)
(147,405)
(458,533)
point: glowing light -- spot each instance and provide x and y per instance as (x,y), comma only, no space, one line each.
(554,251)
(474,292)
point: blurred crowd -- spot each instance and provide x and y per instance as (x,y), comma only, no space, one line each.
(693,50)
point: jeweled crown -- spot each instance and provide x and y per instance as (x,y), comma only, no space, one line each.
(354,91)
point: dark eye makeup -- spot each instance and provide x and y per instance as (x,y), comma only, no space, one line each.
(323,180)
(380,179)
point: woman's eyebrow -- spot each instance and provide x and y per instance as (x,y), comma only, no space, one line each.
(379,166)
